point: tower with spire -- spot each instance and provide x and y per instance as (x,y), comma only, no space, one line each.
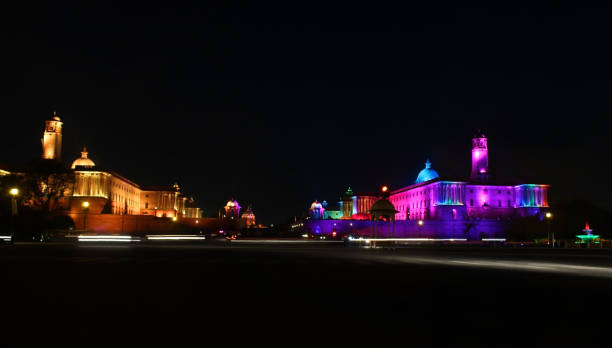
(480,157)
(52,138)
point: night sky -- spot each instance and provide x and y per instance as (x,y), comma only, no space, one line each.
(280,104)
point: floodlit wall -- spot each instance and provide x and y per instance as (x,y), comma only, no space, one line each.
(472,229)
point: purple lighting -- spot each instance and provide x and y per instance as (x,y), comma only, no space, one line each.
(475,208)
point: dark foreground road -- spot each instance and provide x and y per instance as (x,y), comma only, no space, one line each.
(293,294)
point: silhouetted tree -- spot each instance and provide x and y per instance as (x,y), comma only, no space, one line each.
(41,183)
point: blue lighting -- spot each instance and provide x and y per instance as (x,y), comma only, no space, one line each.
(426,174)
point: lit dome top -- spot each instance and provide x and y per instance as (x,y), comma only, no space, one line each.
(83,161)
(426,174)
(316,205)
(55,117)
(232,203)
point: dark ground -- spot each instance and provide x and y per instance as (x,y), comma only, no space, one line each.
(291,294)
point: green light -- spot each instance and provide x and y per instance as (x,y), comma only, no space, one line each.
(588,236)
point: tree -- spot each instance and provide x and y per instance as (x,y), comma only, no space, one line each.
(42,183)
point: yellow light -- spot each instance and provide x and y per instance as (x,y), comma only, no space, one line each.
(197,221)
(548,215)
(14,192)
(385,189)
(174,218)
(85,204)
(420,222)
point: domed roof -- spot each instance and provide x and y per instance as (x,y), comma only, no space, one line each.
(83,161)
(232,203)
(316,205)
(55,117)
(383,205)
(426,174)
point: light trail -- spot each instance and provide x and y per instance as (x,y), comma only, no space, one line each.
(512,265)
(176,237)
(109,238)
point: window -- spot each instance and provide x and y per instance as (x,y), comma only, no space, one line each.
(471,202)
(499,192)
(509,204)
(471,191)
(147,205)
(499,203)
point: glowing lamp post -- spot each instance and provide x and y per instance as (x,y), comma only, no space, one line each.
(420,228)
(14,192)
(85,206)
(548,219)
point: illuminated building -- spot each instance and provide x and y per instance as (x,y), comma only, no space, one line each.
(317,211)
(192,211)
(476,206)
(356,206)
(232,209)
(111,193)
(249,217)
(433,197)
(52,138)
(163,201)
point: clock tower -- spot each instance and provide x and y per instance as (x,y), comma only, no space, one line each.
(480,157)
(52,138)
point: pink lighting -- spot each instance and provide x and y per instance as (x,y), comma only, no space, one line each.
(482,170)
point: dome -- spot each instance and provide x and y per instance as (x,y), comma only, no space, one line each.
(55,117)
(426,174)
(83,161)
(316,205)
(383,206)
(232,203)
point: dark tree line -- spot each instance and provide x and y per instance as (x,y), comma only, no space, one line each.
(41,184)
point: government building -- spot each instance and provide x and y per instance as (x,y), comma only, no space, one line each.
(475,207)
(108,192)
(99,199)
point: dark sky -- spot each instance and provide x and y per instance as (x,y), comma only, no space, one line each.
(279,104)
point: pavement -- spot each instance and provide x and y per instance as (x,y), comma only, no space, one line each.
(436,295)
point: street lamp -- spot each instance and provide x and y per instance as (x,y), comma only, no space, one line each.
(86,209)
(14,192)
(548,219)
(420,228)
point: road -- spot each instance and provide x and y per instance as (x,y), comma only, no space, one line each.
(440,294)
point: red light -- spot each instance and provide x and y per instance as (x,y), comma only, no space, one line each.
(385,189)
(334,234)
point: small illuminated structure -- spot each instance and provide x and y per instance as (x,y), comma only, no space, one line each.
(232,209)
(85,204)
(14,191)
(83,161)
(382,212)
(249,217)
(317,210)
(587,237)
